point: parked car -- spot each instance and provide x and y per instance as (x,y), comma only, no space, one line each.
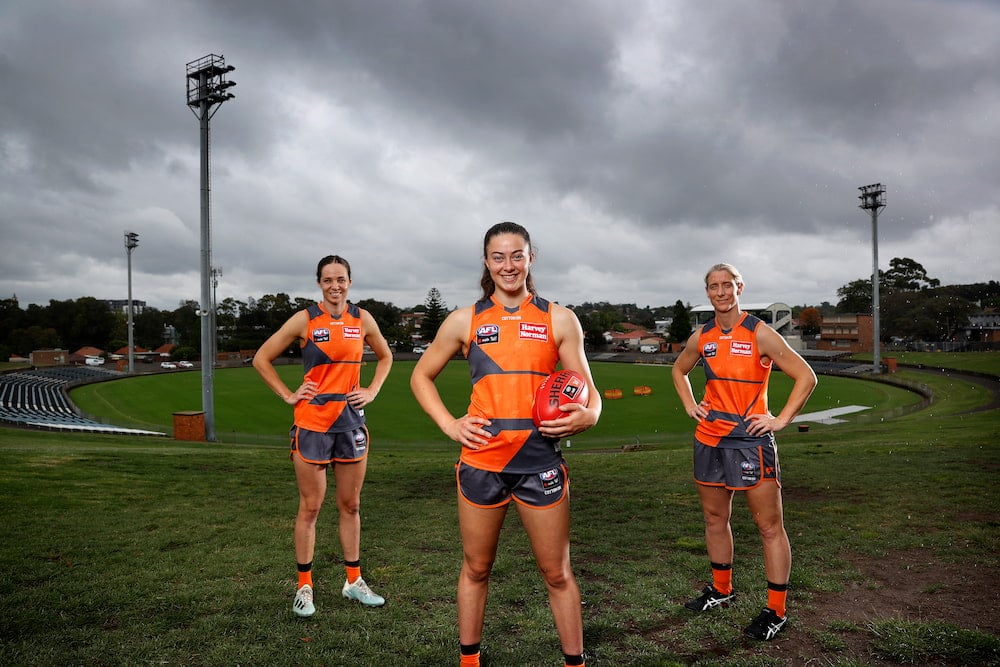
(94,361)
(185,364)
(167,364)
(419,350)
(649,349)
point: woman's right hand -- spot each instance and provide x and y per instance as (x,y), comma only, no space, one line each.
(305,392)
(469,432)
(699,412)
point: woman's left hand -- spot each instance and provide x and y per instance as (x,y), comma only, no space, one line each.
(360,397)
(576,418)
(765,423)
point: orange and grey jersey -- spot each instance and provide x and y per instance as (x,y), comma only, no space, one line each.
(735,383)
(511,350)
(331,357)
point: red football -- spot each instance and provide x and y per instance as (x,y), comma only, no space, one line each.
(560,388)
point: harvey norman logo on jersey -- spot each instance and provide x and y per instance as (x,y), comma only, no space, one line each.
(739,348)
(531,331)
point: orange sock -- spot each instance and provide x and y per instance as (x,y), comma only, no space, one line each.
(353,573)
(305,576)
(470,655)
(722,577)
(777,594)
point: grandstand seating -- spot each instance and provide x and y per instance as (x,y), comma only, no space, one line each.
(37,398)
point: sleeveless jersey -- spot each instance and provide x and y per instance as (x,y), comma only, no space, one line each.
(511,350)
(735,383)
(331,357)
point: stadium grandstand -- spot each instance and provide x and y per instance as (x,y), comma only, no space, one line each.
(37,398)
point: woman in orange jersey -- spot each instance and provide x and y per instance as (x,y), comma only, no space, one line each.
(329,429)
(734,448)
(512,339)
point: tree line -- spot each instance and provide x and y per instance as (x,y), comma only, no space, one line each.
(912,306)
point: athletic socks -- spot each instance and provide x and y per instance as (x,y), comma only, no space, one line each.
(722,577)
(353,570)
(574,660)
(777,594)
(470,655)
(305,574)
(722,581)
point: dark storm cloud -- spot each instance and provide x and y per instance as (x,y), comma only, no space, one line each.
(631,138)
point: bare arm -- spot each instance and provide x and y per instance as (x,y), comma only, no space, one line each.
(685,363)
(273,347)
(569,338)
(772,345)
(362,396)
(451,339)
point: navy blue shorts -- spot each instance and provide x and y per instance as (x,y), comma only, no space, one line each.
(324,448)
(539,490)
(736,469)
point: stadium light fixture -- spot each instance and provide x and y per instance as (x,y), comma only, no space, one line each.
(207,89)
(131,243)
(873,199)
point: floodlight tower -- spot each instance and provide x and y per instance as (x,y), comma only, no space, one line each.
(207,89)
(131,243)
(873,199)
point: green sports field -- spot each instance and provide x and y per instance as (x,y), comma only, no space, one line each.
(138,550)
(246,410)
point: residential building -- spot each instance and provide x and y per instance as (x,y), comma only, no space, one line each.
(846,333)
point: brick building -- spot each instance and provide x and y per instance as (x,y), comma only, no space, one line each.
(846,333)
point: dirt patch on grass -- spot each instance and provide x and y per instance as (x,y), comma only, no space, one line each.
(906,586)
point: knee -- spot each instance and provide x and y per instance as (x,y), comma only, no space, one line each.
(309,511)
(349,506)
(558,576)
(716,520)
(477,570)
(771,530)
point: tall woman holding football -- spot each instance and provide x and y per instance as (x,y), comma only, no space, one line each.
(329,428)
(513,339)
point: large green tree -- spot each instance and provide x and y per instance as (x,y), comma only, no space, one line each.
(810,320)
(389,319)
(85,321)
(435,311)
(906,275)
(912,305)
(680,326)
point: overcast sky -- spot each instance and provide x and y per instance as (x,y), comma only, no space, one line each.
(639,142)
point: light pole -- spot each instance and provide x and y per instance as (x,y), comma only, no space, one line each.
(873,199)
(207,89)
(131,243)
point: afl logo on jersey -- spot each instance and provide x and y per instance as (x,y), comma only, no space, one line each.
(488,333)
(321,335)
(709,350)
